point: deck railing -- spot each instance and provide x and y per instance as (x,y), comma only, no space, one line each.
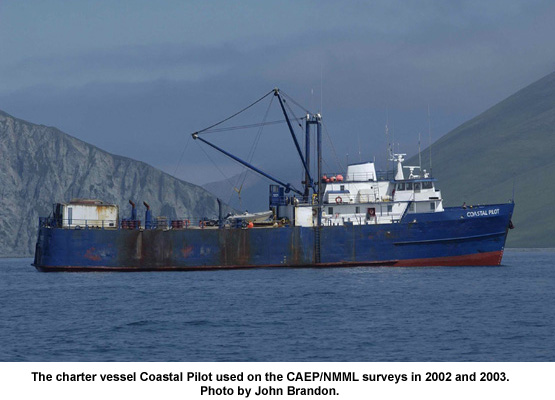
(74,223)
(127,224)
(360,176)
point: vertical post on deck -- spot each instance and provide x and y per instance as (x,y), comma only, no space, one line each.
(307,158)
(317,231)
(319,151)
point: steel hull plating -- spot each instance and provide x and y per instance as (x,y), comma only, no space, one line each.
(456,236)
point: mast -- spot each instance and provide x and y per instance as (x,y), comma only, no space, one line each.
(430,137)
(277,94)
(315,119)
(317,246)
(419,154)
(307,158)
(318,118)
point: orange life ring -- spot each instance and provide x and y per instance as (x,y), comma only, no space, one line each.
(338,200)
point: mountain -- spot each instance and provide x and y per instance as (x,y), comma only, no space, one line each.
(42,165)
(510,143)
(244,191)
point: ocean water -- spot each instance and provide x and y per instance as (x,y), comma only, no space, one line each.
(504,313)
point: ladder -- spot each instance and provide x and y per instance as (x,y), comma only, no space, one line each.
(376,194)
(317,245)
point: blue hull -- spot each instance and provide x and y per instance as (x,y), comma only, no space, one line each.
(457,236)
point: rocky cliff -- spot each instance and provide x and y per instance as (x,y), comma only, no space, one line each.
(41,165)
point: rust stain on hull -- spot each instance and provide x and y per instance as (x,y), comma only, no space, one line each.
(91,255)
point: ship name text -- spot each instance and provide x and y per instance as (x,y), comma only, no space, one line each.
(483,213)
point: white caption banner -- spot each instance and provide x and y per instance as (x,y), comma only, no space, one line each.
(277,380)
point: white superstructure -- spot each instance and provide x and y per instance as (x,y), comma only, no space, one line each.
(363,197)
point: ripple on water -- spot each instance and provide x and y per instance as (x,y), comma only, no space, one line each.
(350,314)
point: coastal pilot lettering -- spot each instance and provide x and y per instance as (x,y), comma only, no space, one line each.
(483,213)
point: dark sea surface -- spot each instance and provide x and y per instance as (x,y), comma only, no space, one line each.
(504,313)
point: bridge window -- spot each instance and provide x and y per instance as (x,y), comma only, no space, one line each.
(427,185)
(401,186)
(409,185)
(417,186)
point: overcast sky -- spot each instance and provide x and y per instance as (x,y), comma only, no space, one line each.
(137,77)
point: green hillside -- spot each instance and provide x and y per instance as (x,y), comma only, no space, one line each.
(513,141)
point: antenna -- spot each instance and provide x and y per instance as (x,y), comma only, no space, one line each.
(393,140)
(389,153)
(321,89)
(359,154)
(393,135)
(430,137)
(419,155)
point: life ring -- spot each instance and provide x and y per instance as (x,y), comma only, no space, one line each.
(338,200)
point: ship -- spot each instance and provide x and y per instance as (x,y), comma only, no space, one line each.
(358,217)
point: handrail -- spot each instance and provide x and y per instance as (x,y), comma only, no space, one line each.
(353,177)
(75,223)
(159,223)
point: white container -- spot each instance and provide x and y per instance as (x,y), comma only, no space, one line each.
(85,213)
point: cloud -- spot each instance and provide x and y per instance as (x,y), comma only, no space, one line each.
(370,58)
(125,64)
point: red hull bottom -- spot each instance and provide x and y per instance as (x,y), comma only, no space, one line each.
(481,259)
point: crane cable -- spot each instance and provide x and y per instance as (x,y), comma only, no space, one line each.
(182,154)
(237,113)
(332,147)
(294,102)
(227,180)
(239,127)
(252,151)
